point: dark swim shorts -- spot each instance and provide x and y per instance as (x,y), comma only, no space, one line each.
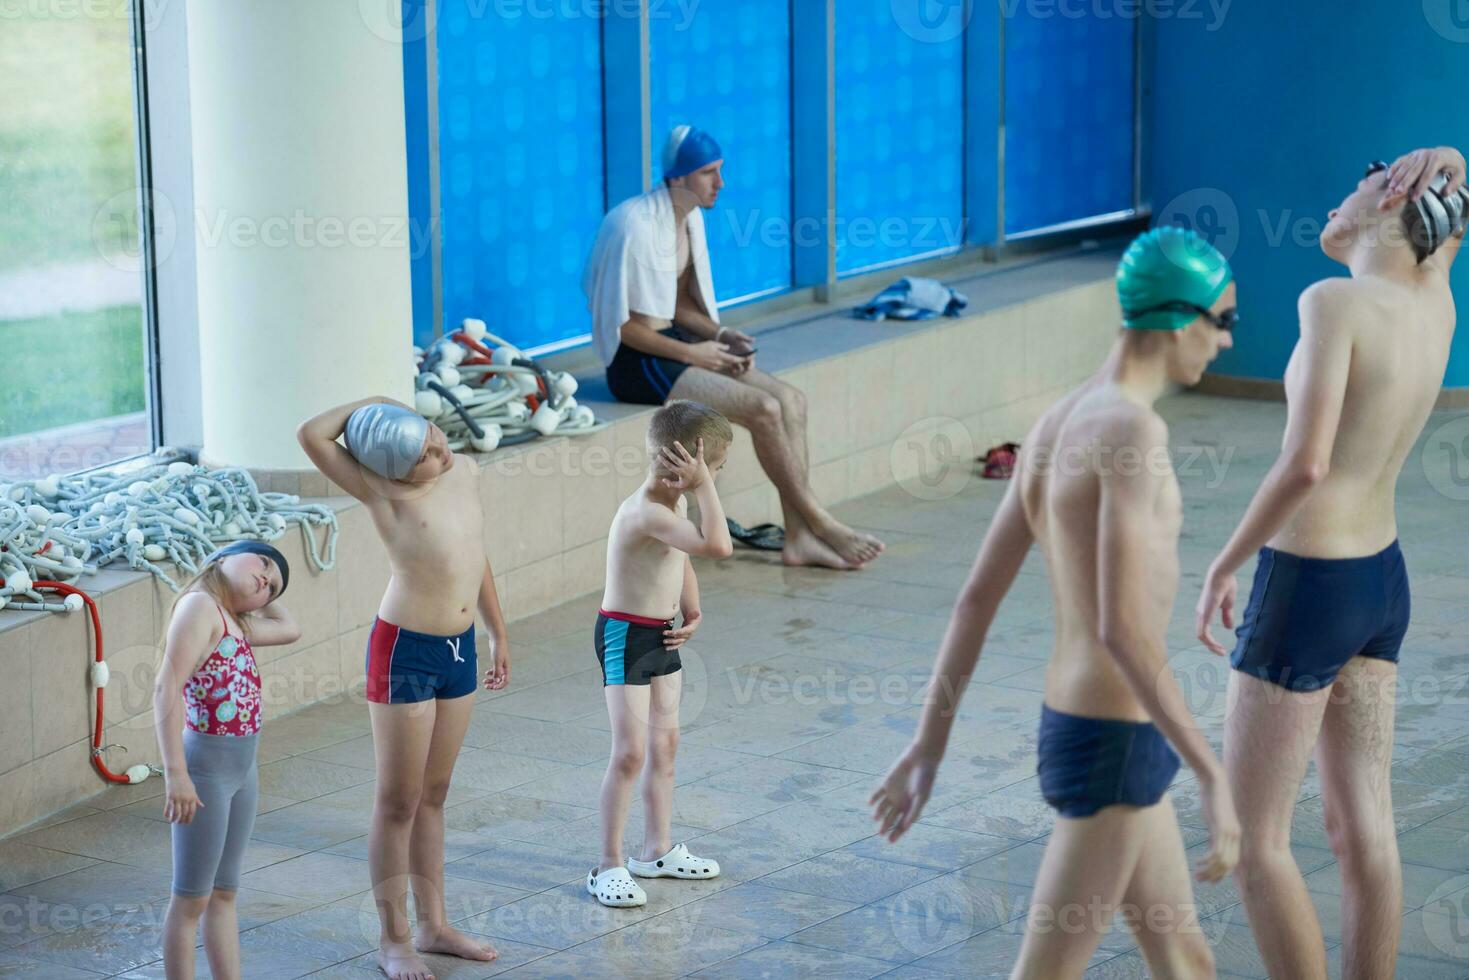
(644,379)
(1308,616)
(1090,763)
(630,648)
(404,667)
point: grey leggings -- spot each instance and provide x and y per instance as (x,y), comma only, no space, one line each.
(208,851)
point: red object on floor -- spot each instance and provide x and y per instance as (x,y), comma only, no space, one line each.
(999,462)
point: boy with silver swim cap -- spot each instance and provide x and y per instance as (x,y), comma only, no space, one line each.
(421,660)
(387,439)
(1113,721)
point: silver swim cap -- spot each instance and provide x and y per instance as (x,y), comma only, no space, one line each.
(386,439)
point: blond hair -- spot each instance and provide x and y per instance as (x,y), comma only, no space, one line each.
(209,579)
(687,422)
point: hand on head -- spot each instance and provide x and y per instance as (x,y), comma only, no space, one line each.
(689,472)
(1410,174)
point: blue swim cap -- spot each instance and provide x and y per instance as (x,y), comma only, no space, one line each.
(1169,264)
(386,439)
(255,548)
(687,150)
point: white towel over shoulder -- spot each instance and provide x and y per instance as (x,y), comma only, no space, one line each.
(633,267)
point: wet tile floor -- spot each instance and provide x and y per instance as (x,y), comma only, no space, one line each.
(800,689)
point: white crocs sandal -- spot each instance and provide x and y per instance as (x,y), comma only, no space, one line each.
(615,888)
(677,863)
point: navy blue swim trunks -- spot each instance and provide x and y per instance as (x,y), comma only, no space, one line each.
(644,379)
(1308,616)
(1090,763)
(630,648)
(404,667)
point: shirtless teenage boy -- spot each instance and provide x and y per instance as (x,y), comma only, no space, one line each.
(1095,488)
(1316,657)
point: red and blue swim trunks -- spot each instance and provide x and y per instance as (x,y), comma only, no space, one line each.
(404,667)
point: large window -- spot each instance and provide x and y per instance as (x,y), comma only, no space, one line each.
(520,166)
(726,69)
(73,378)
(1068,117)
(868,141)
(899,138)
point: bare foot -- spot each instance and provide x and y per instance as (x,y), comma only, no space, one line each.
(400,961)
(808,549)
(855,547)
(452,942)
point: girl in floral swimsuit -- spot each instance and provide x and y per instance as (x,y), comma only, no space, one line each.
(207,705)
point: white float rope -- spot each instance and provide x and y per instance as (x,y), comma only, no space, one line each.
(54,530)
(484,398)
(59,528)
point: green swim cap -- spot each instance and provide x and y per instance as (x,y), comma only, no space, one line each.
(1165,265)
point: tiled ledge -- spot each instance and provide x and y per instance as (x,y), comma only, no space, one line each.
(1032,332)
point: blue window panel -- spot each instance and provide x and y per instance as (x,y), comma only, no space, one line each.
(899,136)
(520,165)
(725,68)
(1068,117)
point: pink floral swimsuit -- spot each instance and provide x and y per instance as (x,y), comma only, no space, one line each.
(223,696)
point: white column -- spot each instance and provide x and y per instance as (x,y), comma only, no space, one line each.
(300,218)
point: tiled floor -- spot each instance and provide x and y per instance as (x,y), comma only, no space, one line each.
(800,689)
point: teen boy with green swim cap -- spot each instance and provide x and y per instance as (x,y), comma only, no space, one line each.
(1113,714)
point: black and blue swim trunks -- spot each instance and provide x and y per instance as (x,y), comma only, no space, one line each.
(630,648)
(645,379)
(1308,616)
(404,667)
(1090,763)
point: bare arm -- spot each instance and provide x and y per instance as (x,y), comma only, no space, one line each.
(1315,396)
(707,539)
(1126,524)
(899,800)
(688,600)
(1128,631)
(688,606)
(192,634)
(489,609)
(1409,177)
(689,312)
(710,537)
(1006,543)
(271,626)
(641,334)
(318,436)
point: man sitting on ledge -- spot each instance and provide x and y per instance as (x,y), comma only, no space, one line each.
(656,327)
